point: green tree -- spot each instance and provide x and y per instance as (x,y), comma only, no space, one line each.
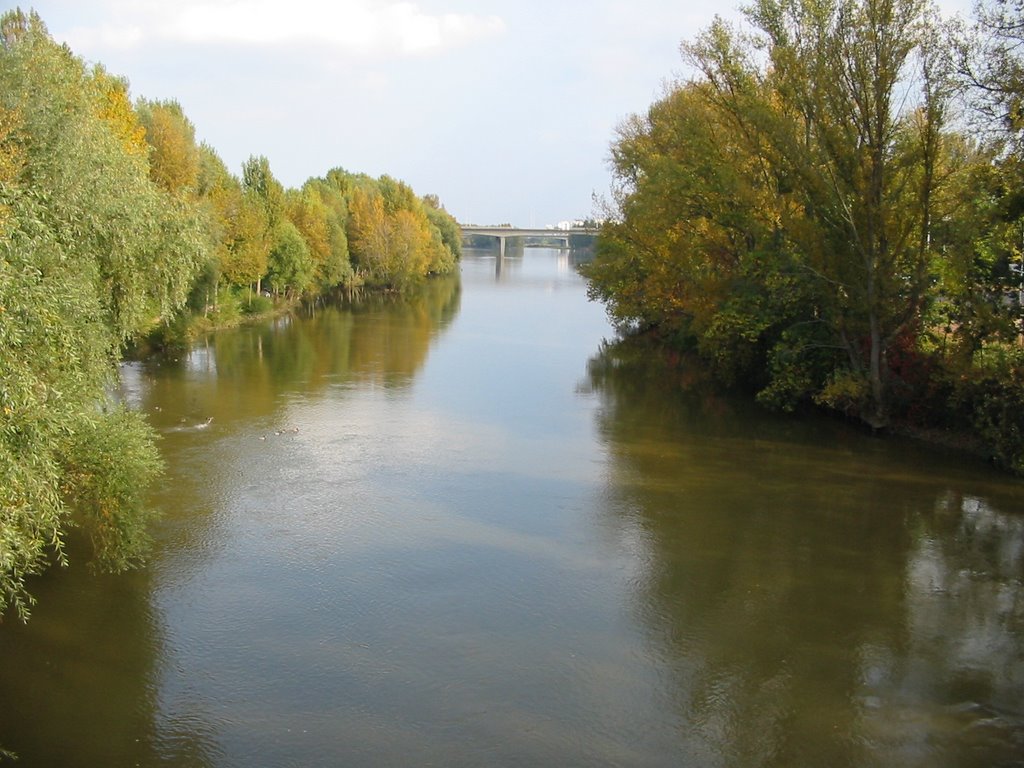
(824,115)
(91,254)
(290,264)
(259,181)
(695,249)
(266,194)
(219,198)
(991,63)
(248,250)
(447,226)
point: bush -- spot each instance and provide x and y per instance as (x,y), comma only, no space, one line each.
(175,334)
(257,305)
(109,460)
(991,395)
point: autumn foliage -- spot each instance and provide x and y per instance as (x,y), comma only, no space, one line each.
(116,225)
(808,213)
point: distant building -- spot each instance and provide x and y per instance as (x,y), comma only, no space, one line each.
(565,226)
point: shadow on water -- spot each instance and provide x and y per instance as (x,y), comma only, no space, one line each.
(84,689)
(819,598)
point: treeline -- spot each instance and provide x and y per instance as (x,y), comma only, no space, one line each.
(830,210)
(114,223)
(341,230)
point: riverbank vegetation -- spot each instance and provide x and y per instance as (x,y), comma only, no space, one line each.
(116,225)
(829,211)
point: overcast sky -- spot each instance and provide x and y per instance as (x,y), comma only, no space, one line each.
(503,108)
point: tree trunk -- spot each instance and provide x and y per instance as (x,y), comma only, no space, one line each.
(878,418)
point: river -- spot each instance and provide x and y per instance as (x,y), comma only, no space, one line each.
(460,530)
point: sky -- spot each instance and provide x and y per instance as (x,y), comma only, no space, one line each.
(505,109)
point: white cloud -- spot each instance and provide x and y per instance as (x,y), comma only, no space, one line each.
(360,27)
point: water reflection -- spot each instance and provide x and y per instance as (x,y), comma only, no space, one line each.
(96,678)
(815,604)
(411,538)
(78,683)
(244,372)
(508,267)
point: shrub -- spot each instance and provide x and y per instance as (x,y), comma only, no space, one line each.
(257,305)
(991,395)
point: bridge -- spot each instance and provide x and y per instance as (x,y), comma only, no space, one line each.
(503,233)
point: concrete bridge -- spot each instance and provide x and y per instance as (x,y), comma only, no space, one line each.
(503,233)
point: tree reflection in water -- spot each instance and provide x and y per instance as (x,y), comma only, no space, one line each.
(821,597)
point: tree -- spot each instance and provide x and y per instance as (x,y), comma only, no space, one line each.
(826,118)
(323,230)
(250,241)
(815,184)
(989,60)
(91,253)
(337,270)
(368,232)
(259,181)
(290,264)
(447,227)
(115,107)
(695,249)
(173,156)
(265,192)
(391,232)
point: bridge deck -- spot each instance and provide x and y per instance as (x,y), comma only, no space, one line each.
(503,232)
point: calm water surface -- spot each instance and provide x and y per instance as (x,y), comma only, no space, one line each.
(460,532)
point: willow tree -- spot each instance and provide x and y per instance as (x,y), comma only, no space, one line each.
(91,253)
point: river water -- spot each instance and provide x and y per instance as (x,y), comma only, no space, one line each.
(461,531)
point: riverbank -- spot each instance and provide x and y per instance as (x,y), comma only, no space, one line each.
(432,520)
(976,428)
(234,312)
(185,329)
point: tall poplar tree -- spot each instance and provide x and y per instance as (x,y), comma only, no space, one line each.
(174,156)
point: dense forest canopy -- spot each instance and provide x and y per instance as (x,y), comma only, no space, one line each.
(829,210)
(116,224)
